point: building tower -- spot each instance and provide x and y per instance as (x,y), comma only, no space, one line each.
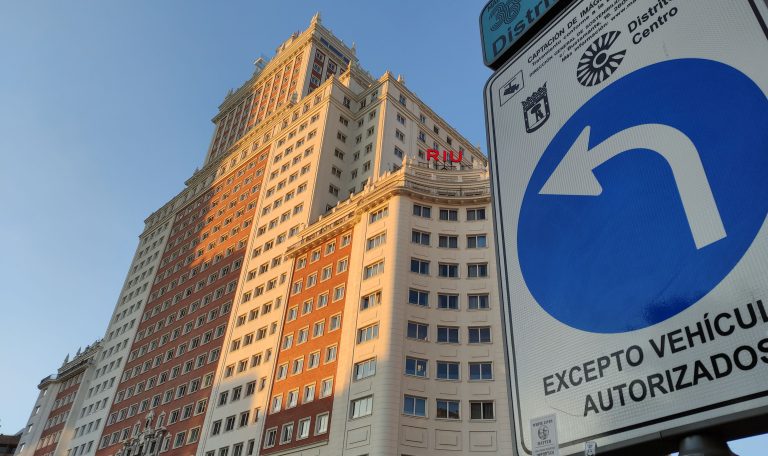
(319,286)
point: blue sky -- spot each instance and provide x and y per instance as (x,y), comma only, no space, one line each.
(105,110)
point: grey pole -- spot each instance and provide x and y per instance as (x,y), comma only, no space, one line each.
(704,445)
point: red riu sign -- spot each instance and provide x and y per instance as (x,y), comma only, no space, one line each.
(446,155)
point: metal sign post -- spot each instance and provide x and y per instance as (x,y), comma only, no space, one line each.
(628,149)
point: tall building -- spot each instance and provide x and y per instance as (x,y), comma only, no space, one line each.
(319,287)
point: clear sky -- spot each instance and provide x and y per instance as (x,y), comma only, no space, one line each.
(105,110)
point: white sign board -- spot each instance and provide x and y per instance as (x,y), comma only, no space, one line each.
(544,433)
(629,153)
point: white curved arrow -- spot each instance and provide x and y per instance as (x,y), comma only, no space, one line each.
(574,176)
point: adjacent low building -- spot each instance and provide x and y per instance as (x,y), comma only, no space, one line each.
(51,424)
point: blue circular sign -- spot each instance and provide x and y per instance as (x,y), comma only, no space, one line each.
(626,258)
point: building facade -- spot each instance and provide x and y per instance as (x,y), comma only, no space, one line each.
(52,423)
(8,444)
(319,286)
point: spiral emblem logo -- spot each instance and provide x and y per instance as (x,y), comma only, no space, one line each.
(505,13)
(597,63)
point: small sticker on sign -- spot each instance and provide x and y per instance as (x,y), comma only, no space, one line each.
(590,448)
(544,436)
(511,88)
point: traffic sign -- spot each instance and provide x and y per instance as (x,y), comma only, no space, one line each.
(629,149)
(505,23)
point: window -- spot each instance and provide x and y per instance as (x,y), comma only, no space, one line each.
(414,406)
(282,371)
(334,323)
(477,270)
(342,265)
(364,369)
(322,300)
(418,297)
(481,371)
(481,410)
(179,440)
(451,215)
(321,424)
(448,270)
(448,242)
(376,241)
(477,241)
(314,360)
(303,430)
(402,100)
(447,301)
(298,366)
(346,239)
(338,292)
(368,333)
(244,418)
(422,211)
(370,300)
(416,367)
(326,273)
(419,237)
(479,334)
(478,301)
(318,329)
(420,266)
(447,410)
(378,215)
(417,331)
(287,341)
(287,433)
(229,423)
(373,270)
(361,407)
(330,353)
(216,427)
(400,119)
(292,400)
(476,214)
(399,135)
(448,334)
(270,438)
(447,370)
(326,387)
(309,394)
(333,190)
(277,403)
